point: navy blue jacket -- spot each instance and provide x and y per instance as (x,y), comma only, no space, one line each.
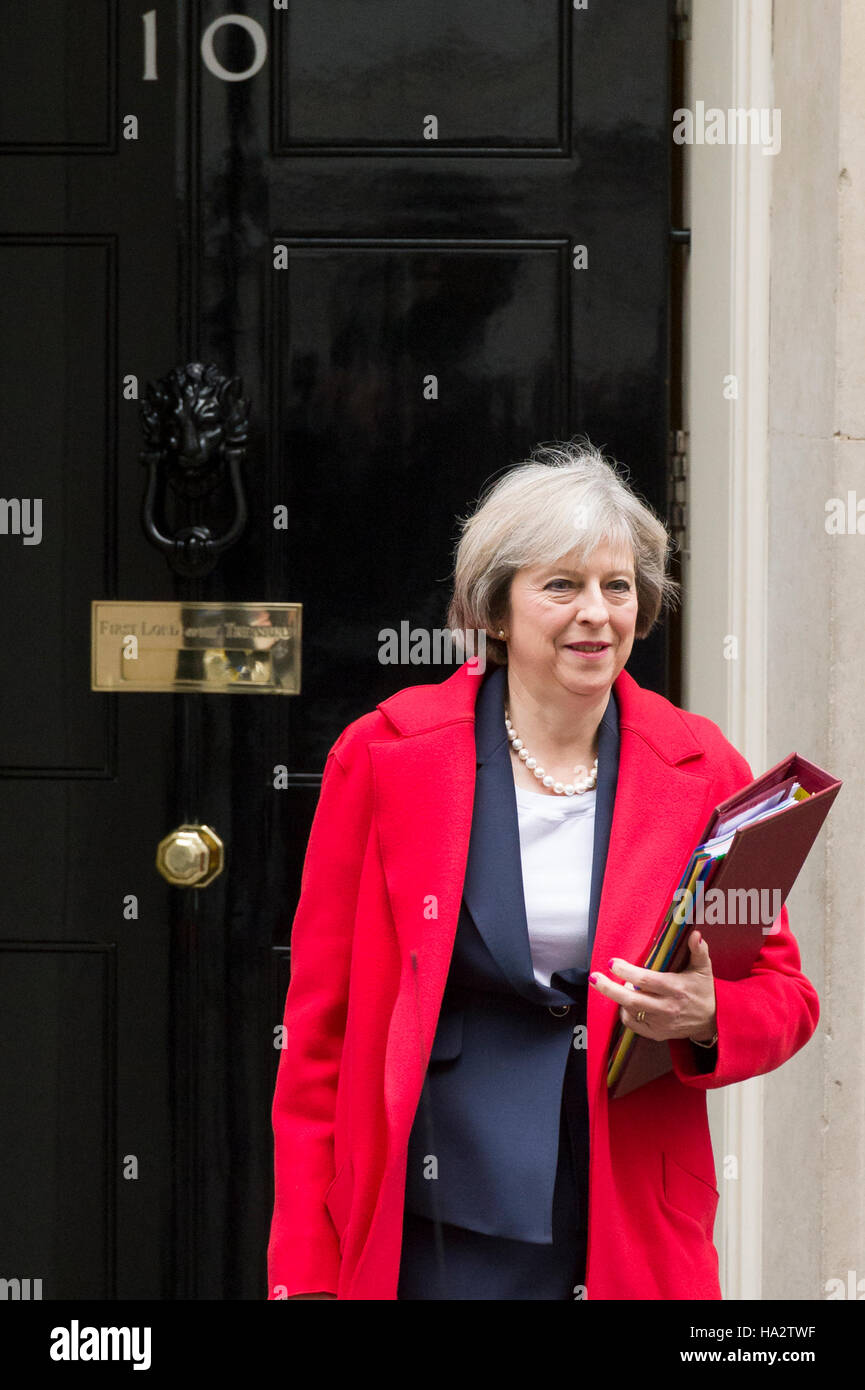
(484,1143)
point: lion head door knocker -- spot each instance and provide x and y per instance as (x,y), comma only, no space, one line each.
(195,423)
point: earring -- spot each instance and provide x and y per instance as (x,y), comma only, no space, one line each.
(501,634)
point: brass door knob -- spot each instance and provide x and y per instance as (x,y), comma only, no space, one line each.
(191,856)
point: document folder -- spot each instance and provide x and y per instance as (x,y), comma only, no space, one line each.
(732,891)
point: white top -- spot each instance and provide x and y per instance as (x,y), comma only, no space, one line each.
(556,845)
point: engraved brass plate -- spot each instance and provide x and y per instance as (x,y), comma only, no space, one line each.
(224,648)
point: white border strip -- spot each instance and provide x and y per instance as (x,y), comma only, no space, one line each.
(748,533)
(727,331)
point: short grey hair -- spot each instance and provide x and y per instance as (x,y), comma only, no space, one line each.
(566,497)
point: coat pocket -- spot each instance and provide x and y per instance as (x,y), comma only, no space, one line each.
(338,1197)
(690,1194)
(448,1040)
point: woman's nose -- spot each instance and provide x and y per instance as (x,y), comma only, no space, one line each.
(591,607)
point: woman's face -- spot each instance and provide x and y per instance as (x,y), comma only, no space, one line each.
(553,607)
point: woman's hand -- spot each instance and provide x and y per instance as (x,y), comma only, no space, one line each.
(677,1005)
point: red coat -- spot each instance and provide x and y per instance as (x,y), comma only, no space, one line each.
(383,879)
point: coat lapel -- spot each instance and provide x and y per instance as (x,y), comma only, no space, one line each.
(423,796)
(493,890)
(663,797)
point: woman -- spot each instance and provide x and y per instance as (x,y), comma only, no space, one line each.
(488,861)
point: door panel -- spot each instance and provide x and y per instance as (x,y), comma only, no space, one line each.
(89,261)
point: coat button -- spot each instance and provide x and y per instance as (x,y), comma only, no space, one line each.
(559,1010)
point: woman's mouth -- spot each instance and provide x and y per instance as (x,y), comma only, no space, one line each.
(589,650)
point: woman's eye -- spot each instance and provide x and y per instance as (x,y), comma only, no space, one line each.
(621,586)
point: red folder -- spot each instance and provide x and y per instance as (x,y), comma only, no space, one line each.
(765,856)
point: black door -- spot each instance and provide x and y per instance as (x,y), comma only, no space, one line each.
(425,238)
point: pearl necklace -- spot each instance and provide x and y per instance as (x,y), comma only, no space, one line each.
(582,784)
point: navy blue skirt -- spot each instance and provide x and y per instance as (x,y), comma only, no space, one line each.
(441,1261)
